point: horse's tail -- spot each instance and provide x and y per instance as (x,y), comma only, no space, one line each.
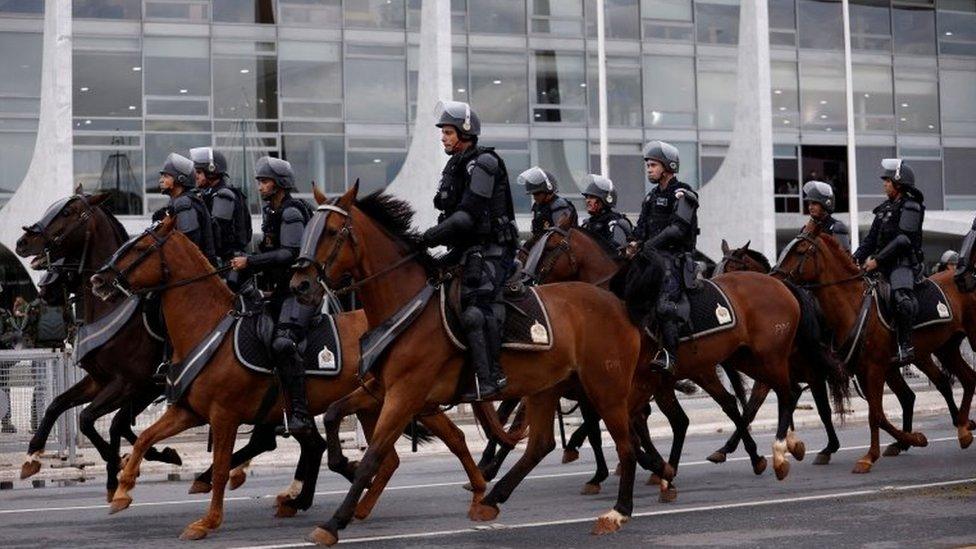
(487,416)
(419,431)
(813,340)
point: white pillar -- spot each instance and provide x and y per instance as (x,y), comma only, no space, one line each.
(419,177)
(601,60)
(851,150)
(51,170)
(737,204)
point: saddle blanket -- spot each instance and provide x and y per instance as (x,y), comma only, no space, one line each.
(321,351)
(933,306)
(711,312)
(527,326)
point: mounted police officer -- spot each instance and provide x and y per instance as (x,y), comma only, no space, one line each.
(227,204)
(949,260)
(965,277)
(893,247)
(668,226)
(477,224)
(609,226)
(548,208)
(284,220)
(191,213)
(819,198)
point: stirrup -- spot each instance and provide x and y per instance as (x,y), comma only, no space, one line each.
(665,365)
(904,357)
(162,372)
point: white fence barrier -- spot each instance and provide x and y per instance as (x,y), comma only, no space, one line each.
(29,381)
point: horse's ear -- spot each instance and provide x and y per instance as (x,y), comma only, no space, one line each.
(166,225)
(566,223)
(725,247)
(320,197)
(746,247)
(98,198)
(347,200)
(79,189)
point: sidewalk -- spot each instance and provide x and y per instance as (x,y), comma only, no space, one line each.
(705,417)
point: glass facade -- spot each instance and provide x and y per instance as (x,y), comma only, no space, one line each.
(330,85)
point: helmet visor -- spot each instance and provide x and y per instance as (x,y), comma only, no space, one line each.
(892,165)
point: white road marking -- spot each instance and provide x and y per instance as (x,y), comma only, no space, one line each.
(388,488)
(678,511)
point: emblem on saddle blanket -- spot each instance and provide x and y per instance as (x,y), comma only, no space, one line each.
(722,314)
(943,310)
(326,359)
(539,334)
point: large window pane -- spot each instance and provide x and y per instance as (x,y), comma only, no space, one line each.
(497,16)
(627,172)
(459,74)
(105,9)
(559,82)
(316,158)
(376,89)
(668,20)
(717,21)
(16,150)
(928,179)
(374,14)
(20,86)
(326,14)
(116,171)
(958,90)
(374,170)
(870,25)
(716,93)
(557,17)
(917,100)
(957,31)
(311,80)
(869,186)
(960,165)
(565,160)
(624,106)
(822,93)
(782,22)
(246,83)
(243,11)
(785,100)
(675,10)
(821,24)
(160,145)
(499,87)
(914,29)
(873,101)
(22,7)
(786,185)
(672,104)
(621,18)
(107,84)
(177,76)
(196,11)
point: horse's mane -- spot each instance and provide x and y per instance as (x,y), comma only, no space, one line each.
(116,225)
(607,247)
(837,249)
(758,257)
(395,216)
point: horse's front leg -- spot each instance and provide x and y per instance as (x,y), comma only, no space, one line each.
(224,433)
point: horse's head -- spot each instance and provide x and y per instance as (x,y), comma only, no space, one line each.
(329,248)
(809,256)
(139,264)
(551,257)
(62,231)
(741,259)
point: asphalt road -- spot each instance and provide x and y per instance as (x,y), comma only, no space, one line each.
(926,497)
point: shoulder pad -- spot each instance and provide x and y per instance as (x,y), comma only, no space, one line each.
(912,205)
(182,203)
(292,215)
(487,162)
(687,193)
(840,228)
(225,193)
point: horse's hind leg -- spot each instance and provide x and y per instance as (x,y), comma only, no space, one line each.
(941,381)
(785,436)
(387,467)
(175,420)
(505,409)
(490,471)
(906,398)
(952,359)
(78,394)
(122,425)
(756,399)
(262,440)
(591,422)
(818,389)
(714,388)
(224,432)
(360,399)
(445,429)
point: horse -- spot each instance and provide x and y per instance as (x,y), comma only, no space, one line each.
(75,236)
(371,239)
(224,393)
(816,261)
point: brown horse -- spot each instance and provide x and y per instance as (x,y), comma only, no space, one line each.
(371,240)
(816,261)
(225,394)
(80,232)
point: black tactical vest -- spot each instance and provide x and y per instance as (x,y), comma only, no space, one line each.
(498,227)
(657,212)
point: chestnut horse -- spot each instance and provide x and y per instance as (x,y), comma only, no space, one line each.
(818,262)
(371,240)
(225,394)
(76,236)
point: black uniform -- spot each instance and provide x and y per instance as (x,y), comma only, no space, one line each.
(231,217)
(193,220)
(611,228)
(477,225)
(838,229)
(895,241)
(555,213)
(282,230)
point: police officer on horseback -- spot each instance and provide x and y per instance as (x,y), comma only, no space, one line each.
(893,247)
(227,204)
(548,208)
(191,213)
(819,198)
(965,277)
(668,227)
(610,227)
(477,224)
(283,223)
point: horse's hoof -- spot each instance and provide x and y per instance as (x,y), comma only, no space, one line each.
(717,457)
(29,469)
(570,456)
(193,533)
(109,495)
(892,450)
(608,523)
(759,467)
(919,440)
(862,466)
(799,450)
(668,472)
(782,470)
(169,455)
(965,437)
(199,487)
(654,480)
(119,504)
(590,489)
(481,512)
(822,458)
(237,478)
(284,510)
(669,495)
(321,536)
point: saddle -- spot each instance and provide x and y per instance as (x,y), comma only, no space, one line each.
(527,325)
(710,311)
(933,305)
(321,350)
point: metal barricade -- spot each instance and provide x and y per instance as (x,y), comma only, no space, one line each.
(29,381)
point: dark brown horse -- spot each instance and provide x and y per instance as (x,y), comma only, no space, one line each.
(81,234)
(225,394)
(370,239)
(816,261)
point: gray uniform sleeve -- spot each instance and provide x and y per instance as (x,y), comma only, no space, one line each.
(842,235)
(186,216)
(223,205)
(620,232)
(292,228)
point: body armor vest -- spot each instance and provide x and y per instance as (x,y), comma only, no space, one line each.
(279,277)
(657,212)
(497,224)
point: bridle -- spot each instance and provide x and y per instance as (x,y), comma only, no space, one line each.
(552,255)
(731,258)
(793,274)
(54,242)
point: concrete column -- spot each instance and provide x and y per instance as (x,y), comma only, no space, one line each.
(419,177)
(51,169)
(737,204)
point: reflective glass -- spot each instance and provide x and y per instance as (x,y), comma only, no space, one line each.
(868,168)
(499,89)
(22,7)
(785,100)
(917,100)
(960,165)
(717,21)
(107,84)
(621,18)
(177,76)
(196,11)
(325,14)
(459,74)
(669,91)
(374,170)
(688,152)
(106,9)
(245,86)
(559,82)
(821,24)
(374,14)
(870,25)
(160,145)
(675,10)
(786,184)
(311,80)
(928,179)
(957,32)
(16,151)
(914,30)
(20,87)
(782,22)
(716,93)
(565,160)
(243,11)
(117,171)
(873,100)
(958,92)
(627,172)
(376,90)
(497,16)
(822,96)
(557,17)
(624,104)
(316,158)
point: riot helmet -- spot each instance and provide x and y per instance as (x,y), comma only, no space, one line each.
(459,115)
(663,152)
(180,168)
(950,257)
(212,162)
(537,180)
(821,193)
(279,170)
(898,172)
(601,188)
